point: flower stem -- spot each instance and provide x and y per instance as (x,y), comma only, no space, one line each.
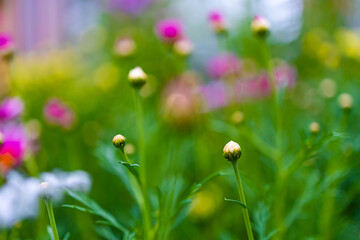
(50,211)
(242,199)
(126,157)
(280,180)
(140,127)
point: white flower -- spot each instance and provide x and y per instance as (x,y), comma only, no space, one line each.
(18,199)
(57,181)
(19,196)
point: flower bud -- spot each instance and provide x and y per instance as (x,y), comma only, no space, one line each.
(327,88)
(137,77)
(183,47)
(125,47)
(119,141)
(260,26)
(314,127)
(45,190)
(237,117)
(217,22)
(345,101)
(232,151)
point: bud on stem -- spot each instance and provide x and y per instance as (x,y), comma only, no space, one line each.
(232,151)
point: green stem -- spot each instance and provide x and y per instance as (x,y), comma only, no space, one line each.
(242,199)
(140,127)
(50,211)
(276,96)
(280,186)
(126,157)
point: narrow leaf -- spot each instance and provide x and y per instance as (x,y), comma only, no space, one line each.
(133,168)
(235,201)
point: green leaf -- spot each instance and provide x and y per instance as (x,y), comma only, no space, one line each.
(235,201)
(106,233)
(95,209)
(196,187)
(82,209)
(67,236)
(133,168)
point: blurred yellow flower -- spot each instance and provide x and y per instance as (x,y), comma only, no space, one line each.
(106,76)
(203,205)
(348,42)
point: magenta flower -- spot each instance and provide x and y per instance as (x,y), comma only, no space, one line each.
(13,147)
(222,65)
(7,44)
(133,7)
(169,30)
(214,94)
(58,113)
(11,108)
(217,21)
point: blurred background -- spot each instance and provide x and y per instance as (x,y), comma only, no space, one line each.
(66,63)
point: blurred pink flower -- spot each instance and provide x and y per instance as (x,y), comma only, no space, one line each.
(214,94)
(58,113)
(217,21)
(216,16)
(11,108)
(13,147)
(219,94)
(133,7)
(169,30)
(180,102)
(257,87)
(223,64)
(285,75)
(6,42)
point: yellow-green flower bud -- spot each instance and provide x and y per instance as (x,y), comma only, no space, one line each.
(314,127)
(119,141)
(232,151)
(260,26)
(345,101)
(137,77)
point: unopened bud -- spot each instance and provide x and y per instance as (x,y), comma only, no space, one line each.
(232,151)
(119,141)
(237,117)
(345,101)
(217,22)
(327,88)
(137,77)
(183,47)
(125,47)
(44,188)
(260,26)
(314,127)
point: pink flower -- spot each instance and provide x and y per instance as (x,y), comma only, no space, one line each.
(13,147)
(214,94)
(285,75)
(58,113)
(7,44)
(222,65)
(11,108)
(180,103)
(217,21)
(169,30)
(257,87)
